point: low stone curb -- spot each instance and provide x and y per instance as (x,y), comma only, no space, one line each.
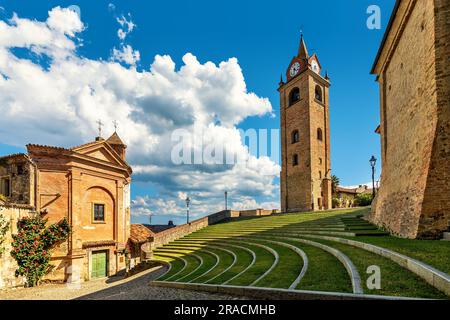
(274,294)
(433,276)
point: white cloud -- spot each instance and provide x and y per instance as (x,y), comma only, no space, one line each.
(126,54)
(127,26)
(64,20)
(59,104)
(248,203)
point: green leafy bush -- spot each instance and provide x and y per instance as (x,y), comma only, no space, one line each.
(363,199)
(32,244)
(4,225)
(335,202)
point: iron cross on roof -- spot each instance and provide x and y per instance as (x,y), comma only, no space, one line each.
(116,124)
(100,124)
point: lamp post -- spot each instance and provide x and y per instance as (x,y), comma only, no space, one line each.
(226,200)
(373,161)
(188,201)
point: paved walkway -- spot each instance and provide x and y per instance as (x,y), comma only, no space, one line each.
(114,288)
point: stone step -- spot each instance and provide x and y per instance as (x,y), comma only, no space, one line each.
(446,236)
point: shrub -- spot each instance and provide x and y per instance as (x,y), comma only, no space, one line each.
(335,202)
(4,225)
(32,244)
(363,199)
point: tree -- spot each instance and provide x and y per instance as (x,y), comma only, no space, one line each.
(334,183)
(4,225)
(31,246)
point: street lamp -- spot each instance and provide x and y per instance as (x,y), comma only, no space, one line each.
(226,200)
(188,201)
(373,161)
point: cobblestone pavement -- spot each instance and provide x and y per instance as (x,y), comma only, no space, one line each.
(113,288)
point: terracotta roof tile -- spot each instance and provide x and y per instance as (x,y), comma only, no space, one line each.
(14,155)
(85,145)
(32,145)
(102,243)
(115,139)
(140,233)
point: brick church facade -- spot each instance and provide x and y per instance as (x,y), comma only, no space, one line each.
(90,186)
(413,71)
(305,135)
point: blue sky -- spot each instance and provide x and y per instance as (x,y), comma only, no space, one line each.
(263,36)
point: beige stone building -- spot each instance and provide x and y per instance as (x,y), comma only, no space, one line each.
(90,186)
(305,135)
(347,197)
(413,71)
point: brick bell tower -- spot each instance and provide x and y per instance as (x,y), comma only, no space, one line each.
(305,135)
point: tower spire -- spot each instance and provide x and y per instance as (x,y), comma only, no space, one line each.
(302,51)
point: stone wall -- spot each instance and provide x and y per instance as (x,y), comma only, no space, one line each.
(8,265)
(413,70)
(21,174)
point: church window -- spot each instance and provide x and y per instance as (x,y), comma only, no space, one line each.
(320,174)
(99,212)
(318,93)
(295,160)
(294,96)
(319,134)
(320,160)
(295,136)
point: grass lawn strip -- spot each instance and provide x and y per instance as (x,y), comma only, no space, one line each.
(288,265)
(192,263)
(175,271)
(300,253)
(262,272)
(395,280)
(418,265)
(202,246)
(325,272)
(432,252)
(210,260)
(348,264)
(244,261)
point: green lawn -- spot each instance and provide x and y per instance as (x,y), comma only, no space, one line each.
(248,238)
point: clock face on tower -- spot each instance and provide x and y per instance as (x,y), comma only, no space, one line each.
(295,68)
(315,66)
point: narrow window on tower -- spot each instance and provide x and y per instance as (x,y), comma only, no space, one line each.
(295,136)
(320,174)
(19,169)
(319,134)
(295,160)
(320,160)
(318,93)
(294,96)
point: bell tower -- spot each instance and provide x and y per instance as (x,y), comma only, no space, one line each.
(305,179)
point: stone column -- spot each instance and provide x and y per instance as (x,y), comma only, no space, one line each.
(327,196)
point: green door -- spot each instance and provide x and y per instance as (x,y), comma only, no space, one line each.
(99,264)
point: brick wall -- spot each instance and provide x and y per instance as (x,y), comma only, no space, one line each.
(413,69)
(299,183)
